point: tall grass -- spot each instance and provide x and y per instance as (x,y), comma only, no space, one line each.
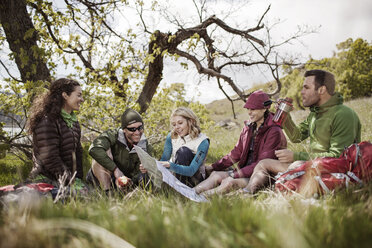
(166,219)
(13,169)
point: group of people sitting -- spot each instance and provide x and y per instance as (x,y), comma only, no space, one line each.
(260,153)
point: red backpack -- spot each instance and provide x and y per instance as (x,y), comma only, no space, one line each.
(322,175)
(359,157)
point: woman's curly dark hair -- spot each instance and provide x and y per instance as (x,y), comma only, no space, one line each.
(50,103)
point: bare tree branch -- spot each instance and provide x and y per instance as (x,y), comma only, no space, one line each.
(8,72)
(228,97)
(207,71)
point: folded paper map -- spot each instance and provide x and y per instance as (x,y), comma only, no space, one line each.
(159,174)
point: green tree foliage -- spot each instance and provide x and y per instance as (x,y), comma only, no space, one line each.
(102,110)
(121,64)
(351,65)
(354,69)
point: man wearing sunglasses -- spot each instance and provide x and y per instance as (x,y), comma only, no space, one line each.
(114,155)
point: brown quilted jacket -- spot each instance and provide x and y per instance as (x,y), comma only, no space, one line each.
(54,147)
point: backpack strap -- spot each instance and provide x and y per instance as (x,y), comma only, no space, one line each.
(322,184)
(353,176)
(343,177)
(356,156)
(289,177)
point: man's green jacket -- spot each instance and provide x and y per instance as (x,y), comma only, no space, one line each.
(124,158)
(331,127)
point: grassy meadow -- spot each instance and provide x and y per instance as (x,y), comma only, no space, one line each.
(166,219)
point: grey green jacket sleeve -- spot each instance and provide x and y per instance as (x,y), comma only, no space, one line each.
(100,146)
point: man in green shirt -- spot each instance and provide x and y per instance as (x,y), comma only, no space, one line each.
(114,155)
(330,125)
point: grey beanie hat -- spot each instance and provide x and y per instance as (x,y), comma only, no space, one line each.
(130,116)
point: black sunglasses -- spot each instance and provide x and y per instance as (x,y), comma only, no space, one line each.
(133,129)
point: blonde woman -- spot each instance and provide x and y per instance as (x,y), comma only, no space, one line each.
(185,147)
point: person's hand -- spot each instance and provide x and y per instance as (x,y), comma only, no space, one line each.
(123,182)
(165,164)
(208,169)
(142,169)
(117,174)
(285,155)
(277,103)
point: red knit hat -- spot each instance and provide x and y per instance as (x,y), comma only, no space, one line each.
(257,99)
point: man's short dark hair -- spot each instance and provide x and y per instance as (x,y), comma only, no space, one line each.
(323,78)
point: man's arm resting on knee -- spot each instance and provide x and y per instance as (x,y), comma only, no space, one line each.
(100,146)
(100,155)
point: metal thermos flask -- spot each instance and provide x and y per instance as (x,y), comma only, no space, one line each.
(285,106)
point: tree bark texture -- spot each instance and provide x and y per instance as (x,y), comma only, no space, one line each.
(22,39)
(154,75)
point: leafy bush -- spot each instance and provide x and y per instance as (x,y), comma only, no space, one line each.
(13,170)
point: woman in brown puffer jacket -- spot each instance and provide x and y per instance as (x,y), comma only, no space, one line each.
(56,132)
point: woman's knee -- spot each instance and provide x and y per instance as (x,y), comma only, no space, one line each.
(262,165)
(228,182)
(218,176)
(215,174)
(184,156)
(269,166)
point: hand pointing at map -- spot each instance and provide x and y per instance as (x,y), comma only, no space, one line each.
(165,164)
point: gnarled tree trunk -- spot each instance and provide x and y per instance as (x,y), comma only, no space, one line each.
(22,39)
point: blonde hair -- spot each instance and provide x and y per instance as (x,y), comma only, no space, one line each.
(192,122)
